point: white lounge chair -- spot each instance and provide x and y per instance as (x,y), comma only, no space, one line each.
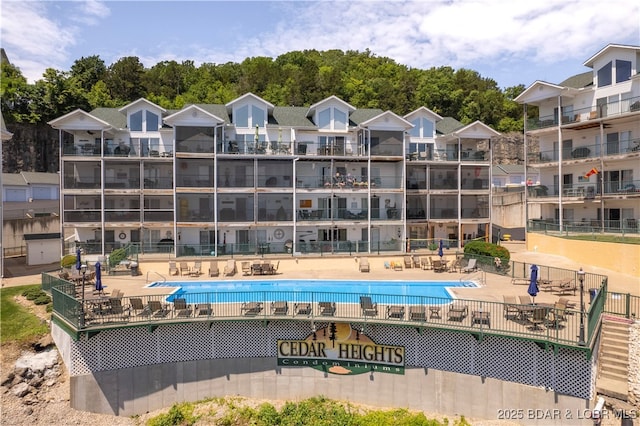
(471,266)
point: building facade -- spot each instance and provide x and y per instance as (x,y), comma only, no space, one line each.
(589,135)
(249,177)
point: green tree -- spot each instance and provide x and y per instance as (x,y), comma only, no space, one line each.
(88,71)
(15,95)
(124,79)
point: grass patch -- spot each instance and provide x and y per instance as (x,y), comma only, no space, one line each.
(16,322)
(317,411)
(603,238)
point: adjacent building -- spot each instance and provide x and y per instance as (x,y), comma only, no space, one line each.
(588,130)
(249,177)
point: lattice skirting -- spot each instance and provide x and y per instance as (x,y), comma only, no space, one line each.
(567,371)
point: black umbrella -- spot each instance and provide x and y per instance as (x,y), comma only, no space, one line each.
(99,287)
(533,284)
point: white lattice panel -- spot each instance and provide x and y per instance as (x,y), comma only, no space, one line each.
(567,371)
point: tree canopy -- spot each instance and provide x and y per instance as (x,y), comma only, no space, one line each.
(296,78)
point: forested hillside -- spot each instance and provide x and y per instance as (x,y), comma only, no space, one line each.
(299,78)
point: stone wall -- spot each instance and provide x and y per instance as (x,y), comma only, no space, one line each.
(33,148)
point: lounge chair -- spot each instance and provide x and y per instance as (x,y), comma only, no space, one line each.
(184,268)
(545,285)
(364,264)
(369,308)
(279,308)
(230,267)
(213,269)
(274,268)
(246,267)
(567,303)
(439,265)
(115,308)
(520,281)
(181,309)
(565,286)
(204,309)
(511,310)
(157,309)
(137,306)
(417,313)
(251,308)
(173,269)
(397,266)
(408,263)
(416,261)
(471,266)
(196,270)
(426,263)
(302,308)
(327,309)
(395,311)
(457,313)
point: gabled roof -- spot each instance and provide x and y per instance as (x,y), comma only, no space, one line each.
(476,129)
(579,81)
(360,116)
(291,117)
(194,113)
(81,120)
(253,97)
(140,101)
(422,111)
(537,91)
(386,117)
(112,116)
(448,125)
(35,178)
(589,62)
(332,98)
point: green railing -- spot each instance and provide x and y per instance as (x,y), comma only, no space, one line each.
(622,304)
(549,273)
(595,311)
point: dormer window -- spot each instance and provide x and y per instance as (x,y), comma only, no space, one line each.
(249,116)
(143,120)
(332,119)
(604,76)
(423,128)
(623,71)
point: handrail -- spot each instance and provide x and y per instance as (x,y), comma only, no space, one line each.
(164,279)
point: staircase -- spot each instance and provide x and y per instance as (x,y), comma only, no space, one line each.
(613,362)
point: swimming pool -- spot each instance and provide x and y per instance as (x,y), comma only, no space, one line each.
(309,290)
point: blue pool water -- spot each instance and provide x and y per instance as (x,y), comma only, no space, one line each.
(309,290)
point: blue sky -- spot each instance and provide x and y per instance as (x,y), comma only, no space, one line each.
(511,41)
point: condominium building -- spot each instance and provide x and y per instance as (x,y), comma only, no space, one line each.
(250,177)
(588,130)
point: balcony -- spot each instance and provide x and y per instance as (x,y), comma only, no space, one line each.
(122,216)
(585,152)
(79,216)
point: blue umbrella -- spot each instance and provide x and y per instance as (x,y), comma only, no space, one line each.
(533,284)
(440,253)
(98,277)
(78,261)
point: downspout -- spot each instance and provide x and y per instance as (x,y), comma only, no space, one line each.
(366,135)
(176,235)
(102,183)
(215,183)
(60,201)
(294,244)
(459,167)
(526,176)
(491,190)
(560,159)
(600,177)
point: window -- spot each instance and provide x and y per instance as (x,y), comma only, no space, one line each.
(623,71)
(152,122)
(604,75)
(332,119)
(257,116)
(324,119)
(241,116)
(136,121)
(249,116)
(423,128)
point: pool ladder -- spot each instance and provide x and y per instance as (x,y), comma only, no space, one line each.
(164,279)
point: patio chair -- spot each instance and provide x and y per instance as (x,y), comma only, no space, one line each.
(525,300)
(173,269)
(115,308)
(138,307)
(327,309)
(471,266)
(408,263)
(457,313)
(511,310)
(425,262)
(538,318)
(157,309)
(204,309)
(184,268)
(395,311)
(364,264)
(181,309)
(213,269)
(246,268)
(456,265)
(196,270)
(397,266)
(544,285)
(416,261)
(302,309)
(556,316)
(567,303)
(251,308)
(565,286)
(279,308)
(230,267)
(417,313)
(369,308)
(274,268)
(481,317)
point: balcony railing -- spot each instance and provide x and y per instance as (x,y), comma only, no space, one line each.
(611,109)
(587,151)
(586,226)
(588,190)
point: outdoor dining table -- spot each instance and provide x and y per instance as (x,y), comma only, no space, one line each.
(524,311)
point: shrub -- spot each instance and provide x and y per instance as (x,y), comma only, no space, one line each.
(179,414)
(117,256)
(489,250)
(68,261)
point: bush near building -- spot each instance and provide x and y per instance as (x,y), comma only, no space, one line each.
(485,250)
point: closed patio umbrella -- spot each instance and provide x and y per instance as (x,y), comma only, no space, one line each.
(78,260)
(533,284)
(99,287)
(440,252)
